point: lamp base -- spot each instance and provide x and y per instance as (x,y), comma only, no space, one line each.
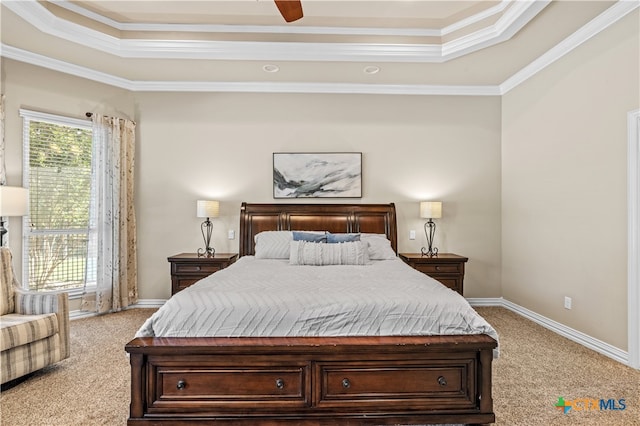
(206,228)
(206,252)
(429,232)
(429,252)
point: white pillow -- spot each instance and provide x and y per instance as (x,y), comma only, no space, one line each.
(379,246)
(318,254)
(273,244)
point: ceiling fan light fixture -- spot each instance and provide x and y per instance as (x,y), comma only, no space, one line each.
(371,69)
(270,68)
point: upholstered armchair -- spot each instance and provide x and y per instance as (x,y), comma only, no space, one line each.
(34,325)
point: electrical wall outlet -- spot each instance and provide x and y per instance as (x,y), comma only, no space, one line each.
(412,235)
(232,234)
(567,302)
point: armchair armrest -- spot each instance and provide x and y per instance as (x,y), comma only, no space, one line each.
(39,302)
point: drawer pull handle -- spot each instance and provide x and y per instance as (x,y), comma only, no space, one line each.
(280,383)
(181,384)
(346,383)
(442,381)
(437,268)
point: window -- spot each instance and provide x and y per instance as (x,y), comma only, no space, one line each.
(57,171)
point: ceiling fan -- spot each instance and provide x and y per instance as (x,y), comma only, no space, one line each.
(291,10)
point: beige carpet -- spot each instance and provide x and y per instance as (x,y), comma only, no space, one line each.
(535,368)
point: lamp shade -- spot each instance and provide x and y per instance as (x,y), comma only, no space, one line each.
(431,209)
(14,201)
(207,208)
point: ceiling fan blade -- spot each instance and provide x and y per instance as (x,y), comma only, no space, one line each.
(291,10)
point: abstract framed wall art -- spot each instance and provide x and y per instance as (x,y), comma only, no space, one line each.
(317,175)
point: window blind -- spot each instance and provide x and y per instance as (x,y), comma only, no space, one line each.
(57,171)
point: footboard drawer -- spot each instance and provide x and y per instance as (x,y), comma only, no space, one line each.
(308,381)
(441,383)
(203,387)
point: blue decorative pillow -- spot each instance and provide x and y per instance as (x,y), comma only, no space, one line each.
(311,237)
(342,238)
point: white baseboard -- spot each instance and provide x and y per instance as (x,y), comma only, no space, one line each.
(78,314)
(486,301)
(141,304)
(561,329)
(148,303)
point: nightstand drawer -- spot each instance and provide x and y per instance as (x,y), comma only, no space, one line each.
(439,268)
(187,268)
(448,268)
(451,282)
(182,283)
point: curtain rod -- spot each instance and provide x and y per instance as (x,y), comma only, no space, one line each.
(90,114)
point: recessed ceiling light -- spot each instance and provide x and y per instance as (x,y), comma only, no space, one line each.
(271,68)
(371,69)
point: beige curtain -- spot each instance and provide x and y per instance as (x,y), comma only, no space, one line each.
(113,221)
(3,171)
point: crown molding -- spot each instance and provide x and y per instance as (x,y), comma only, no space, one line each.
(598,24)
(14,53)
(260,29)
(21,55)
(280,29)
(593,27)
(513,19)
(465,22)
(273,51)
(331,88)
(506,27)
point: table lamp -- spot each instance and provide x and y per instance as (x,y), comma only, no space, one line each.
(207,209)
(14,201)
(430,210)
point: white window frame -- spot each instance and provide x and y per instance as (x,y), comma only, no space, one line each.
(27,116)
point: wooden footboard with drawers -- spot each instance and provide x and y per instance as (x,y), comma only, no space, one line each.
(309,380)
(312,380)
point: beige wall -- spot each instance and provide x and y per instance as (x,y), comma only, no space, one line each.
(211,145)
(533,184)
(564,208)
(35,88)
(220,146)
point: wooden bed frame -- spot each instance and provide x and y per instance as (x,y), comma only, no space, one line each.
(312,380)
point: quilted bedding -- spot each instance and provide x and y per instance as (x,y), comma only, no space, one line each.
(267,297)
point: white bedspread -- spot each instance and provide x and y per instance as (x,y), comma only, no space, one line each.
(262,297)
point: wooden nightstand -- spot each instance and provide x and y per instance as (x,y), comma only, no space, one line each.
(447,268)
(187,268)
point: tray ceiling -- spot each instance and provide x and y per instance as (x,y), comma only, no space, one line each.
(453,47)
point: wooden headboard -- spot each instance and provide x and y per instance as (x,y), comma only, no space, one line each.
(337,218)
